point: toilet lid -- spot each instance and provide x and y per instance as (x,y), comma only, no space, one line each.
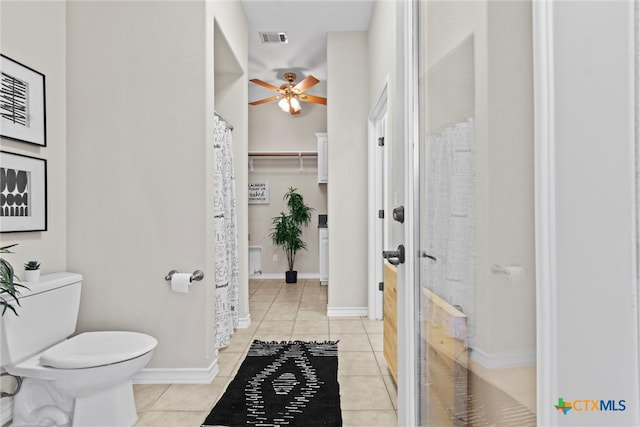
(91,349)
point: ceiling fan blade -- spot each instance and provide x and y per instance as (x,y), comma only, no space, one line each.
(314,99)
(265,84)
(305,84)
(264,101)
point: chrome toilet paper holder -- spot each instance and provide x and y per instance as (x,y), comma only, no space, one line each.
(196,276)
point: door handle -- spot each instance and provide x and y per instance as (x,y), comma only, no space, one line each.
(394,257)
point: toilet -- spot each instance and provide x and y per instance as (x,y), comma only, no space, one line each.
(84,380)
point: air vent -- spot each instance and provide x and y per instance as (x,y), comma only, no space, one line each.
(280,38)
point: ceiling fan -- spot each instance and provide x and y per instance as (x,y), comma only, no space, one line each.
(291,94)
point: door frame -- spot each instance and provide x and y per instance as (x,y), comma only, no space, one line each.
(406,115)
(378,197)
(545,227)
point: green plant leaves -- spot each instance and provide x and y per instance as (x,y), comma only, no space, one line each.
(287,227)
(8,288)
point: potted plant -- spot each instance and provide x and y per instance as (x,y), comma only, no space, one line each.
(32,271)
(8,287)
(287,229)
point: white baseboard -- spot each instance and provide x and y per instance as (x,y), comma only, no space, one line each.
(271,276)
(6,411)
(178,375)
(347,311)
(145,376)
(244,322)
(503,360)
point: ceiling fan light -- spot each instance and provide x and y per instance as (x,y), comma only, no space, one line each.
(295,104)
(284,105)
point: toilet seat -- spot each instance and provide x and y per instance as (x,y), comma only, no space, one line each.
(93,349)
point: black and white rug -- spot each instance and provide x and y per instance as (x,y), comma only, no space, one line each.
(283,384)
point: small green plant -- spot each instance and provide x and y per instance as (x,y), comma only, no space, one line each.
(8,287)
(32,265)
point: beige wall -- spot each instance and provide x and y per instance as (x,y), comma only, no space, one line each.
(230,64)
(590,270)
(140,104)
(383,68)
(347,111)
(273,130)
(509,164)
(34,34)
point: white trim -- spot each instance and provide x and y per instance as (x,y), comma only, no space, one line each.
(347,311)
(409,383)
(6,412)
(378,112)
(272,276)
(636,17)
(503,360)
(636,81)
(244,322)
(545,215)
(177,375)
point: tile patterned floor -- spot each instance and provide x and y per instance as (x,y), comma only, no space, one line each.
(287,312)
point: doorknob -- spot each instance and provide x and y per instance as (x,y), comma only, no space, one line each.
(398,214)
(394,257)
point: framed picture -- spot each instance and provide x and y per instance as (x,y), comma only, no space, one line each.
(258,192)
(23,193)
(22,103)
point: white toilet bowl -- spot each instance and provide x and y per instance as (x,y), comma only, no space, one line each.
(82,381)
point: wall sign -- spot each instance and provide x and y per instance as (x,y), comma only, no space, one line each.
(258,192)
(22,103)
(23,193)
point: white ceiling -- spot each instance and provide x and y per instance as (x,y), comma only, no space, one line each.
(306,23)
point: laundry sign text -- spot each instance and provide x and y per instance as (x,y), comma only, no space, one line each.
(258,192)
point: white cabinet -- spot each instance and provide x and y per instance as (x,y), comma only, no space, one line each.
(323,147)
(324,255)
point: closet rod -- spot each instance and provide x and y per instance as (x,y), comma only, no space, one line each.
(229,125)
(283,154)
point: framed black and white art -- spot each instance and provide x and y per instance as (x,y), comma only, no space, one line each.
(23,193)
(22,103)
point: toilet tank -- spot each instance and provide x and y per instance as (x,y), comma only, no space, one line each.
(47,314)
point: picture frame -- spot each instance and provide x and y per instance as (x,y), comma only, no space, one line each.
(23,193)
(258,192)
(22,103)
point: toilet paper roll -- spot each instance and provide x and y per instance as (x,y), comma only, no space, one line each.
(180,282)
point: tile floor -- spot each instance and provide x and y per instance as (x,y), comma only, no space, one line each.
(287,312)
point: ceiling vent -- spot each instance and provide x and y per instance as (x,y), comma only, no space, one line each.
(280,38)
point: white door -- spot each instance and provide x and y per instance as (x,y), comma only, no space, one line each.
(378,201)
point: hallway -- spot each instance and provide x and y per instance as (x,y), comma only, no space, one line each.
(287,312)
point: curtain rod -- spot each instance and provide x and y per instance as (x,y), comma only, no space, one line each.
(229,125)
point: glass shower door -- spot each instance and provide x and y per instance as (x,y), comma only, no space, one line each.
(476,290)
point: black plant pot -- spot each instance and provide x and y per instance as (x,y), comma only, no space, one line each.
(291,276)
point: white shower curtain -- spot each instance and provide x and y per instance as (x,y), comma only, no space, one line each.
(226,235)
(451,219)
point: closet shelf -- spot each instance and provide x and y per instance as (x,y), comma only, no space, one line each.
(300,155)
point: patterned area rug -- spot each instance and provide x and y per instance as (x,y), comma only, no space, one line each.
(283,384)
